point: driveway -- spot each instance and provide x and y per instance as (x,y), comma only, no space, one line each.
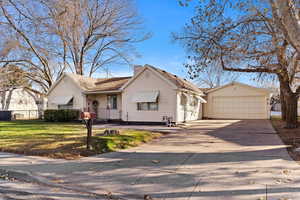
(209,159)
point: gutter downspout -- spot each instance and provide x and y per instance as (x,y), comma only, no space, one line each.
(176,106)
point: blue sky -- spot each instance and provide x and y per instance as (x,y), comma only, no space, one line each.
(161,17)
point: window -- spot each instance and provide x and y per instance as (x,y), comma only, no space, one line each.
(183,99)
(112,102)
(194,101)
(67,106)
(147,106)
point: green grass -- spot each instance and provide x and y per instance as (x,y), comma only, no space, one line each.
(63,140)
(126,139)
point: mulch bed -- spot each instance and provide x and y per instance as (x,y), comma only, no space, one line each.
(290,137)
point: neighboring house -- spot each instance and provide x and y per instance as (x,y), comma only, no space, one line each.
(153,95)
(24,103)
(237,101)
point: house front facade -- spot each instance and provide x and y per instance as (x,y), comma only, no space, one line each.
(150,95)
(154,95)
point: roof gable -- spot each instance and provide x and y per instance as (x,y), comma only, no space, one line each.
(179,82)
(73,77)
(173,80)
(89,84)
(141,72)
(263,90)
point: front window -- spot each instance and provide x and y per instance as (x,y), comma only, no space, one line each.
(183,99)
(147,106)
(67,106)
(194,101)
(112,102)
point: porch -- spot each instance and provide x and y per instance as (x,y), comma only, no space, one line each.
(107,106)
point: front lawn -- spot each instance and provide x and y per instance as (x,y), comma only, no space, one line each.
(63,140)
(290,137)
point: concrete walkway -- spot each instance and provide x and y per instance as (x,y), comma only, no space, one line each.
(211,160)
(16,190)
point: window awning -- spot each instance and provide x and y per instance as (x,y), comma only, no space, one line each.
(143,97)
(62,100)
(201,99)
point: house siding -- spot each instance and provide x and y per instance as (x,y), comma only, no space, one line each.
(67,87)
(149,81)
(188,112)
(20,100)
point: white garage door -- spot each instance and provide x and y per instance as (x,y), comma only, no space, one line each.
(239,107)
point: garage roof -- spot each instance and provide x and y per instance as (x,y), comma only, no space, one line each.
(241,84)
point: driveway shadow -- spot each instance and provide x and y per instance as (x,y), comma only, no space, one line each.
(220,156)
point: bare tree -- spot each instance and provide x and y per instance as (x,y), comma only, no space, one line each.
(288,14)
(249,41)
(11,78)
(94,33)
(39,99)
(29,53)
(81,36)
(214,76)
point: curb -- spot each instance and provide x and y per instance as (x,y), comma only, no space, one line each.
(28,177)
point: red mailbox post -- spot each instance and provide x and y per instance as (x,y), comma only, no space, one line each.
(88,118)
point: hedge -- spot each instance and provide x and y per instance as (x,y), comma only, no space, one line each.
(61,115)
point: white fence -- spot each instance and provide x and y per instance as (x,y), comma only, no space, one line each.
(27,114)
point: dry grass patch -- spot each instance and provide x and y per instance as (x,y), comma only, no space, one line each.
(290,137)
(63,140)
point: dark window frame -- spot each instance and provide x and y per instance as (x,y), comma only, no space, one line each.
(112,102)
(139,106)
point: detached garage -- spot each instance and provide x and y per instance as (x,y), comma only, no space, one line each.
(237,101)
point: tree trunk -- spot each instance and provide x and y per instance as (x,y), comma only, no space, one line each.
(291,102)
(89,126)
(8,99)
(283,105)
(2,97)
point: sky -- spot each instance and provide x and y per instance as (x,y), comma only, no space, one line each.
(161,18)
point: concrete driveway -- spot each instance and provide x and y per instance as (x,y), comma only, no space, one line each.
(209,159)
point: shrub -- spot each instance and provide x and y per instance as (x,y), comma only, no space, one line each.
(61,115)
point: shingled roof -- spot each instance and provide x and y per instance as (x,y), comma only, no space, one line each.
(109,84)
(179,82)
(89,84)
